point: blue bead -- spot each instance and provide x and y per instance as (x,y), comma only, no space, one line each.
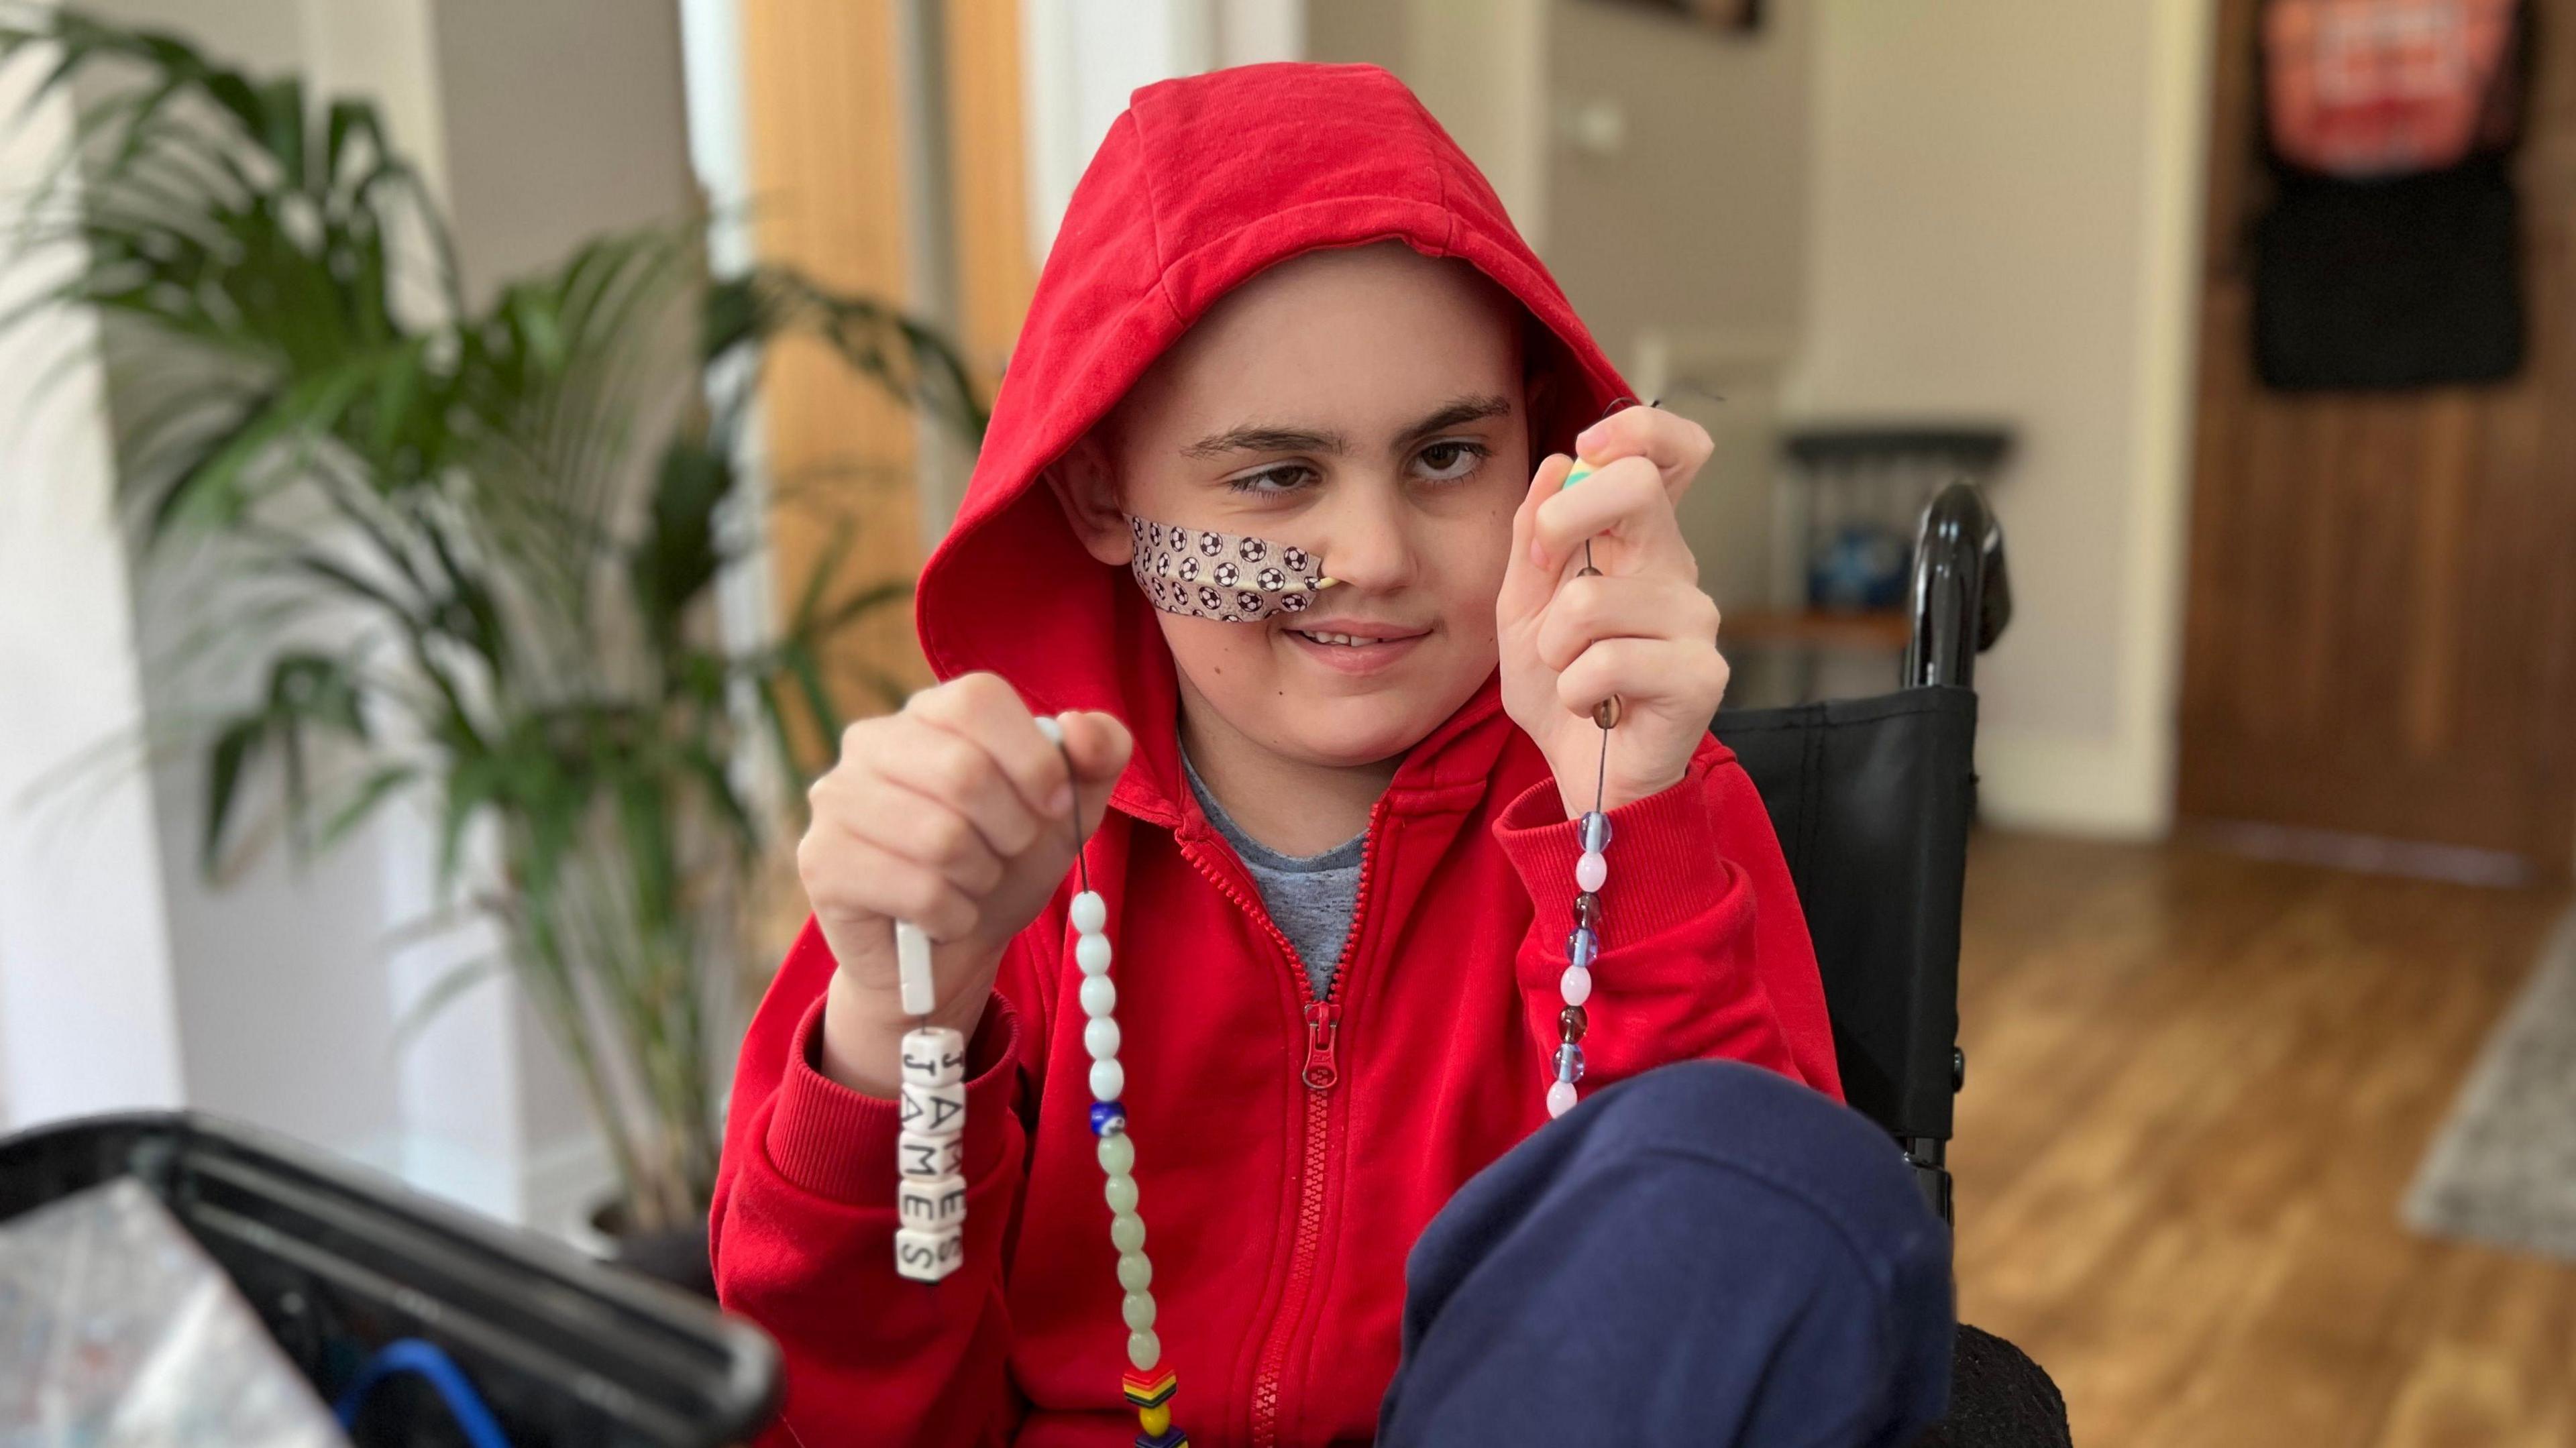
(1596,830)
(1581,947)
(1569,1063)
(1103,1113)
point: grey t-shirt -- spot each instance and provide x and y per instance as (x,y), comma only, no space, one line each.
(1310,897)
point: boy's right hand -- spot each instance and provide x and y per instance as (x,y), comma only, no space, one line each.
(953,814)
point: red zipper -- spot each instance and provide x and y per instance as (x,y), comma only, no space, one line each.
(1322,1070)
(1320,1073)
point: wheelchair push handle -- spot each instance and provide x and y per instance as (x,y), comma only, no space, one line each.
(1962,596)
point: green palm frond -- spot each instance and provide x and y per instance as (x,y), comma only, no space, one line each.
(513,516)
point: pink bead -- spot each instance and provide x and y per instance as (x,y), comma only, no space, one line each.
(1591,870)
(1560,1099)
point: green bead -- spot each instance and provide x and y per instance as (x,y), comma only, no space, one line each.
(1138,1309)
(1135,1271)
(1121,1192)
(1127,1232)
(1117,1154)
(1576,474)
(1144,1350)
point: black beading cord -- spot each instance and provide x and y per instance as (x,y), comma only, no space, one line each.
(1081,862)
(1602,714)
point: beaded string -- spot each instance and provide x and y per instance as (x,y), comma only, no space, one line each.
(1147,1384)
(932,1199)
(1591,871)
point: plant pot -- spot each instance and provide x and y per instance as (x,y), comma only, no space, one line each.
(677,1255)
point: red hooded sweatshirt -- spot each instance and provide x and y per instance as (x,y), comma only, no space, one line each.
(1288,1149)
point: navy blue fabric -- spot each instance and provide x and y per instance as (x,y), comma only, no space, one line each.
(1708,1254)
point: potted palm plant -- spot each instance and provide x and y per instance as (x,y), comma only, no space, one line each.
(478,547)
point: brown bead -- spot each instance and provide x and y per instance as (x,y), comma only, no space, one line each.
(1606,713)
(1587,911)
(1571,1021)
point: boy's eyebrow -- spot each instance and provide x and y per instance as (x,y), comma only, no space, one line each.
(1458,413)
(1266,439)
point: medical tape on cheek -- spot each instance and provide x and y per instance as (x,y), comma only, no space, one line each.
(1228,577)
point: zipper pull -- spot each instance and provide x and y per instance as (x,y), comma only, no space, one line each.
(1321,1069)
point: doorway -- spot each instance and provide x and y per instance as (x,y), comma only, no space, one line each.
(2379,656)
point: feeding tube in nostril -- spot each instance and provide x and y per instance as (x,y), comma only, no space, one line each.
(1229,577)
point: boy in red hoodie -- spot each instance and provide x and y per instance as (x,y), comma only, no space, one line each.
(1338,852)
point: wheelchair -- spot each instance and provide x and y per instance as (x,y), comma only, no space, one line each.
(1872,800)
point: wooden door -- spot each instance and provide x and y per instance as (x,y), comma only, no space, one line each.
(2380,634)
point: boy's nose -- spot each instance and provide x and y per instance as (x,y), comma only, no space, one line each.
(1368,541)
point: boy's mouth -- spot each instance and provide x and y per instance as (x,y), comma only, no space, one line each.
(1352,646)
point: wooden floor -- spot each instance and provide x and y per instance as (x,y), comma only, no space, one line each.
(2197,1088)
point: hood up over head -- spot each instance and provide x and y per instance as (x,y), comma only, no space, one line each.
(1200,185)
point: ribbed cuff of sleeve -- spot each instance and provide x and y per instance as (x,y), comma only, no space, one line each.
(1665,865)
(834,1142)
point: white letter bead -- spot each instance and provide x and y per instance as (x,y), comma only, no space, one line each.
(1091,952)
(1100,1038)
(1560,1098)
(1591,870)
(1090,912)
(1099,997)
(932,1202)
(1108,1080)
(929,1156)
(934,1056)
(1575,985)
(928,1110)
(927,1256)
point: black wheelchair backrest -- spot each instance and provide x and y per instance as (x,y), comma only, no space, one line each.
(1872,800)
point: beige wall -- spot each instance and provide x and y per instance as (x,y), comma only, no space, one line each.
(2005,199)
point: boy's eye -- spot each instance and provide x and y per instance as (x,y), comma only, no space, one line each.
(1445,462)
(1283,478)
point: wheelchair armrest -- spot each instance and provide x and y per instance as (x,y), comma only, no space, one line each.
(1962,596)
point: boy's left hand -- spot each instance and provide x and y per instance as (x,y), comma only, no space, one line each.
(1642,630)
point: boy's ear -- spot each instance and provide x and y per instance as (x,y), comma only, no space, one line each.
(1085,484)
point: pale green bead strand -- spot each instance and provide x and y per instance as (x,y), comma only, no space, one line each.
(1135,1271)
(1121,1192)
(1144,1350)
(1138,1309)
(1127,1232)
(1117,1154)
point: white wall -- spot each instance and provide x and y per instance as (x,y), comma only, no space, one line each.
(2005,211)
(1079,63)
(87,1020)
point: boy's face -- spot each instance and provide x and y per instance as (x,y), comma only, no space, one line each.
(1366,405)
